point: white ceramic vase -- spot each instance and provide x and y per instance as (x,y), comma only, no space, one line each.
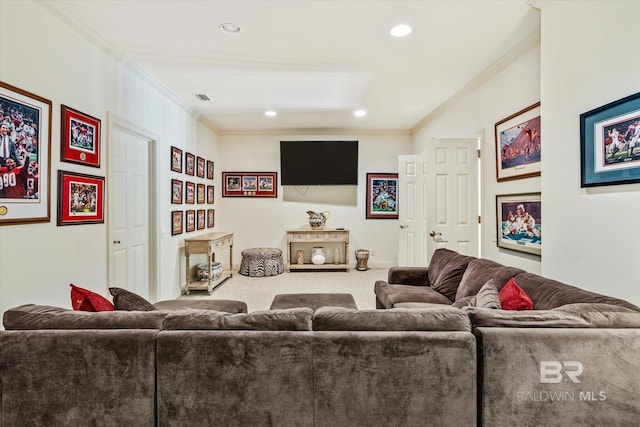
(317,256)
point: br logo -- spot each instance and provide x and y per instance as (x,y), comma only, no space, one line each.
(553,371)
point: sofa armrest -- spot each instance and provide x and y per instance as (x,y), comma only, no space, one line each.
(409,276)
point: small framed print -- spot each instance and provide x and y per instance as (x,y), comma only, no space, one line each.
(189,164)
(177,220)
(209,169)
(249,184)
(201,219)
(190,193)
(518,144)
(210,194)
(176,192)
(191,220)
(211,217)
(382,196)
(200,167)
(80,198)
(519,222)
(176,159)
(201,194)
(80,140)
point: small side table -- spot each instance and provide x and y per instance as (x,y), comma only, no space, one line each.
(207,244)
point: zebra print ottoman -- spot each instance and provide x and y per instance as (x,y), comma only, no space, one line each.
(261,262)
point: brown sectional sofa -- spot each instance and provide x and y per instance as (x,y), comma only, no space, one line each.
(572,360)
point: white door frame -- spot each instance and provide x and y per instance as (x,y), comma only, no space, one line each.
(115,121)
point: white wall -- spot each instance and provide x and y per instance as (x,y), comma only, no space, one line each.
(589,58)
(38,261)
(475,114)
(263,222)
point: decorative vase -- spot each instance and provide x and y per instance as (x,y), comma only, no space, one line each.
(362,258)
(216,271)
(317,255)
(317,220)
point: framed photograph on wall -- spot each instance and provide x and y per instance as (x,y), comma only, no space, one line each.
(176,192)
(519,222)
(190,192)
(518,145)
(25,167)
(177,221)
(209,169)
(201,193)
(200,167)
(176,159)
(191,220)
(211,218)
(210,194)
(382,196)
(189,164)
(80,198)
(610,143)
(249,184)
(201,219)
(80,139)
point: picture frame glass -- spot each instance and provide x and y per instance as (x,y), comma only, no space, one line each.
(519,222)
(382,196)
(81,198)
(518,145)
(81,137)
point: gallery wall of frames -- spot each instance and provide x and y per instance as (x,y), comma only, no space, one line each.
(192,188)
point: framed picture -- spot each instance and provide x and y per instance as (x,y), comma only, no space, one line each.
(25,157)
(211,217)
(518,145)
(176,192)
(519,222)
(191,220)
(210,194)
(200,167)
(201,219)
(80,198)
(190,191)
(201,194)
(80,139)
(190,164)
(382,196)
(176,159)
(177,221)
(249,184)
(610,143)
(209,169)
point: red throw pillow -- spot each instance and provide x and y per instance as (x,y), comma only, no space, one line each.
(512,297)
(85,300)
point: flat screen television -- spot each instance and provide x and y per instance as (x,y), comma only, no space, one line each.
(319,162)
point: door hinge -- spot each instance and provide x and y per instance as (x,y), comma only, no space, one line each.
(479,219)
(479,151)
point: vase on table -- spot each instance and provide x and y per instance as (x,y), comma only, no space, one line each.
(317,255)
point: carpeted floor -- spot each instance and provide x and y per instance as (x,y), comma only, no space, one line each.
(258,292)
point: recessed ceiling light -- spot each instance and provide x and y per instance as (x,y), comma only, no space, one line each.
(400,30)
(360,113)
(230,28)
(270,113)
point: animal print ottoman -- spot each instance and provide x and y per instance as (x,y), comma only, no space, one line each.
(261,262)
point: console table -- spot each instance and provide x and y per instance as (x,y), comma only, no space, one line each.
(328,238)
(208,244)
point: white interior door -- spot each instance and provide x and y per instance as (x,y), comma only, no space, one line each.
(438,201)
(129,264)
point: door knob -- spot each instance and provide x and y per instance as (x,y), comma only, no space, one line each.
(116,242)
(404,226)
(434,234)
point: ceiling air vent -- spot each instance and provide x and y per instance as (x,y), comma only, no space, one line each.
(202,97)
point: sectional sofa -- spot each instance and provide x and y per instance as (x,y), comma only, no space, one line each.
(572,359)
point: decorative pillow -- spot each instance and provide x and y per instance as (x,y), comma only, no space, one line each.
(127,300)
(512,297)
(488,296)
(85,300)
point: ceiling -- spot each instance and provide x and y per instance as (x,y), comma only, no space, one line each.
(313,62)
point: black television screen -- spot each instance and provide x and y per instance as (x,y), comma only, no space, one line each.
(319,162)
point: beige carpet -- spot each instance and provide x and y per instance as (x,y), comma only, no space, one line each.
(258,292)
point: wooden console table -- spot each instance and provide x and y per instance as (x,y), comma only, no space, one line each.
(207,244)
(328,238)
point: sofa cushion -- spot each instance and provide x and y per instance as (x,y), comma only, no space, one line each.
(86,300)
(600,315)
(224,305)
(479,272)
(450,276)
(464,302)
(583,307)
(488,296)
(512,297)
(389,294)
(129,301)
(523,319)
(292,319)
(31,316)
(439,260)
(547,293)
(441,318)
